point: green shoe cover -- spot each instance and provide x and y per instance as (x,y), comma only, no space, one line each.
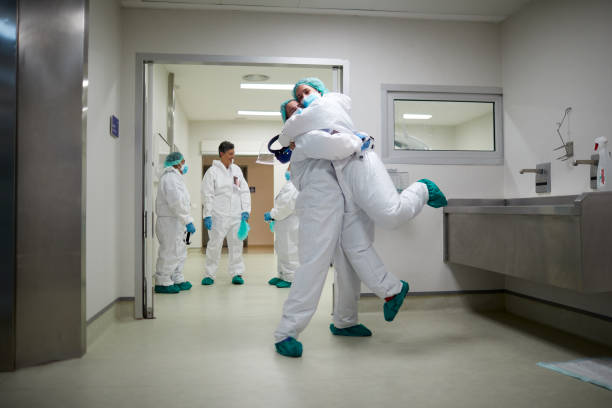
(289,347)
(393,306)
(274,281)
(207,281)
(167,289)
(184,285)
(354,331)
(237,280)
(283,284)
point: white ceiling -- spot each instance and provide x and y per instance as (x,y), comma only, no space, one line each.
(443,113)
(212,92)
(467,10)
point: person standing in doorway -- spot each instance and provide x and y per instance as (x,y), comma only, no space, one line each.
(226,200)
(173,208)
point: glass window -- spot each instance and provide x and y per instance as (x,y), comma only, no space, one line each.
(437,126)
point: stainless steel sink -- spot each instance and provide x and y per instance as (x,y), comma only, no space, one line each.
(563,241)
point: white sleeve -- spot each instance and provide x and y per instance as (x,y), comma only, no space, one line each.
(332,111)
(245,193)
(318,144)
(174,198)
(284,204)
(207,191)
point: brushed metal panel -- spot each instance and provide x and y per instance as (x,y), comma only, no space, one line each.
(50,211)
(597,241)
(8,130)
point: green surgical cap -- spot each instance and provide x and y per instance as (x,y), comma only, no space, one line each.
(283,110)
(316,83)
(173,159)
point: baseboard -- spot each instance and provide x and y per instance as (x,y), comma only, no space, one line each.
(473,300)
(595,327)
(119,309)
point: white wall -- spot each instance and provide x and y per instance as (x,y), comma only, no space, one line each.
(380,50)
(476,134)
(556,54)
(104,167)
(247,136)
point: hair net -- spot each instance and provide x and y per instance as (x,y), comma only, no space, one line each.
(316,83)
(173,158)
(283,109)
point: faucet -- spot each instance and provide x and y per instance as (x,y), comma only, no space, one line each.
(536,171)
(589,162)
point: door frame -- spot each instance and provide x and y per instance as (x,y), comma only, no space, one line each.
(340,83)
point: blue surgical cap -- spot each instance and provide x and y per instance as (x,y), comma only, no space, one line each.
(283,109)
(173,159)
(316,83)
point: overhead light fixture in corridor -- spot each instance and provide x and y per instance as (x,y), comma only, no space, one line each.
(416,116)
(275,87)
(257,113)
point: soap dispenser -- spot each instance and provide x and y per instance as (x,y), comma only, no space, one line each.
(604,165)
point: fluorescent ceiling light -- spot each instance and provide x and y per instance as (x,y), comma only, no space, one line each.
(257,113)
(85,109)
(85,83)
(276,87)
(416,116)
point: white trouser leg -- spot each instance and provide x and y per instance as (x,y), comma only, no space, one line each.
(286,245)
(214,246)
(234,245)
(356,241)
(169,231)
(177,275)
(318,239)
(347,288)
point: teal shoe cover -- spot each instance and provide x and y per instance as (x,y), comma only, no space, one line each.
(354,331)
(207,281)
(274,281)
(289,347)
(283,284)
(436,197)
(167,289)
(237,280)
(184,285)
(393,306)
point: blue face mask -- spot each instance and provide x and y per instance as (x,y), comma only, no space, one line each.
(310,99)
(287,175)
(184,169)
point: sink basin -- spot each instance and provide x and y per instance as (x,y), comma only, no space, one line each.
(564,241)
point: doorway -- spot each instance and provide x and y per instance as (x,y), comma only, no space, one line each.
(247,134)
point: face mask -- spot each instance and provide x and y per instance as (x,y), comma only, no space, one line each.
(310,99)
(184,169)
(298,111)
(287,176)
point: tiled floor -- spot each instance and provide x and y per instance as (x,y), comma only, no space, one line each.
(213,347)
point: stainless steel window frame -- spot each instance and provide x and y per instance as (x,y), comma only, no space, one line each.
(341,83)
(392,92)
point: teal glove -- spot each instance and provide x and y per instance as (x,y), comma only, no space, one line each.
(436,197)
(245,216)
(208,223)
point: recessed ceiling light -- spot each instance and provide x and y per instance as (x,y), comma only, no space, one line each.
(275,87)
(255,77)
(85,83)
(257,113)
(416,116)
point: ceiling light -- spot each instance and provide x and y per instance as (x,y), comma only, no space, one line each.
(85,109)
(276,87)
(85,83)
(257,113)
(416,116)
(255,77)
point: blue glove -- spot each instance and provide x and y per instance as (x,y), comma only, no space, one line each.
(208,223)
(245,216)
(267,217)
(365,139)
(436,197)
(191,228)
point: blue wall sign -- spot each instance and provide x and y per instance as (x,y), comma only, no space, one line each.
(114,126)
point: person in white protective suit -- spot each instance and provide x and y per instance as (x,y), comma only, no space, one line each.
(364,183)
(173,208)
(286,225)
(226,201)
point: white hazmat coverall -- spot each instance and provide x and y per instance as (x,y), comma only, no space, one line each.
(225,196)
(286,224)
(173,208)
(369,194)
(319,207)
